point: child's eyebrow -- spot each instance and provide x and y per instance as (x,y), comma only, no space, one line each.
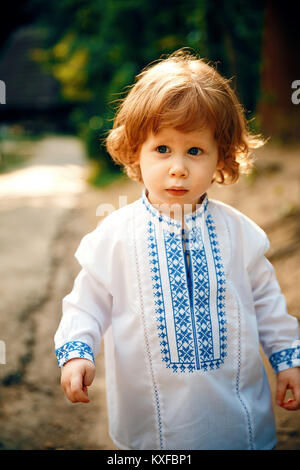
(194,142)
(169,138)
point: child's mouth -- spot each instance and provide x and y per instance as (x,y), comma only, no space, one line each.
(177,192)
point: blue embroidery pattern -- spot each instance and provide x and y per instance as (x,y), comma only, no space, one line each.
(191,218)
(64,353)
(155,214)
(202,299)
(190,300)
(157,293)
(184,327)
(221,287)
(286,356)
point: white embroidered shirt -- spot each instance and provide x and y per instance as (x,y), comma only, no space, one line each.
(182,313)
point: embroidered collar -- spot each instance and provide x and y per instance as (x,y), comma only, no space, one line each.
(190,220)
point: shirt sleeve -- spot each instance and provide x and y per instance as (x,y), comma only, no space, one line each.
(278,330)
(86,310)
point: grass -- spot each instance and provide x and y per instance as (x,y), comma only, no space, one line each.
(11,160)
(17,155)
(103,177)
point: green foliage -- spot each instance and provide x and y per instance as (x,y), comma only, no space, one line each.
(234,38)
(95,49)
(15,147)
(10,161)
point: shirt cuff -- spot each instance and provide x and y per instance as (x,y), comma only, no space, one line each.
(285,359)
(73,349)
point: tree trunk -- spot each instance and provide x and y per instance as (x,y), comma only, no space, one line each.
(278,111)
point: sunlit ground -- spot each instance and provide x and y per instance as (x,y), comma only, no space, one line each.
(56,169)
(43,181)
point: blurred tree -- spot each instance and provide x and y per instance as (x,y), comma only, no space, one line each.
(95,49)
(279,115)
(14,14)
(234,36)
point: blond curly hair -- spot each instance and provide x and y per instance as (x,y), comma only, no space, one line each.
(184,92)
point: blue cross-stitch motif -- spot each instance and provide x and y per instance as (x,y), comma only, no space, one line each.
(221,288)
(74,349)
(190,294)
(201,294)
(180,298)
(157,293)
(287,357)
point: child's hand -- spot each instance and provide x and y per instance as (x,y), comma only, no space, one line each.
(76,375)
(288,379)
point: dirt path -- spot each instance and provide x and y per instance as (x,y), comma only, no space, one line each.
(41,226)
(45,209)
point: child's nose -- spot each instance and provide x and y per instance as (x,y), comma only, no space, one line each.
(179,170)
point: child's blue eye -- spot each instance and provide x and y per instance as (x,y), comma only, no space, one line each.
(195,151)
(163,149)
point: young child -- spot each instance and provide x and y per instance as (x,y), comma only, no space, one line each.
(177,283)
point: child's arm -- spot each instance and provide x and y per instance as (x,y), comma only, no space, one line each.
(86,314)
(76,376)
(278,331)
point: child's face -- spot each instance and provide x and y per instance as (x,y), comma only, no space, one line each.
(173,159)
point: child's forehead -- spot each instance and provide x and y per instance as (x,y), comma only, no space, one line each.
(172,134)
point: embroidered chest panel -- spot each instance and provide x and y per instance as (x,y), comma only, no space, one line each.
(188,285)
